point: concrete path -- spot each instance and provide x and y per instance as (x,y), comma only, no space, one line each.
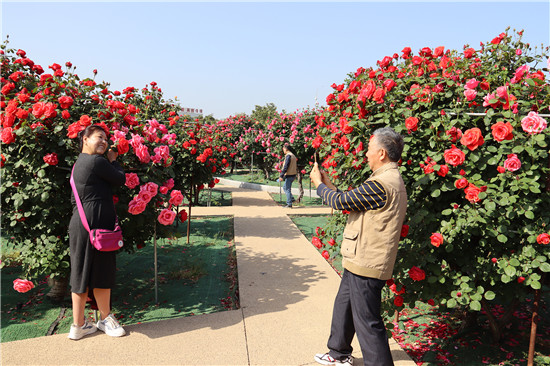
(286,291)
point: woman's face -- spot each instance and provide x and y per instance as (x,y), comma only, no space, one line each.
(96,143)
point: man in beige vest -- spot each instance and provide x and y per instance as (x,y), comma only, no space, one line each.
(369,249)
(288,173)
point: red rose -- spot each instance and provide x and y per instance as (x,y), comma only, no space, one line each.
(7,135)
(404,231)
(439,51)
(543,238)
(454,156)
(51,159)
(85,121)
(122,146)
(472,138)
(461,183)
(65,102)
(431,302)
(411,123)
(378,96)
(472,193)
(469,52)
(332,242)
(317,242)
(521,279)
(182,216)
(454,133)
(74,129)
(65,114)
(325,254)
(436,239)
(416,274)
(3,161)
(502,131)
(443,170)
(398,301)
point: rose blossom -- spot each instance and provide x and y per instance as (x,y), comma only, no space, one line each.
(317,242)
(461,183)
(132,180)
(22,286)
(472,138)
(411,123)
(472,193)
(512,163)
(470,94)
(7,135)
(502,131)
(416,274)
(436,239)
(166,217)
(454,156)
(404,231)
(176,198)
(533,123)
(51,159)
(137,206)
(398,301)
(454,133)
(443,170)
(142,152)
(543,238)
(182,216)
(325,254)
(471,84)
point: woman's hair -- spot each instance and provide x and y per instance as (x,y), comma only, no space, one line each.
(87,132)
(391,141)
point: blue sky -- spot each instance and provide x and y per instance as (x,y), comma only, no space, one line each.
(226,57)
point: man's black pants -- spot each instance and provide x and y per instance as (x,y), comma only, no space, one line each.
(357,310)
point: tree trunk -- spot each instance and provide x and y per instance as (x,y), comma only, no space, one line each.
(300,177)
(497,326)
(58,289)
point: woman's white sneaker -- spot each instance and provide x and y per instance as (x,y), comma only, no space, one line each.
(77,332)
(111,327)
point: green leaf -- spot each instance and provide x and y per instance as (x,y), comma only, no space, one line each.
(510,271)
(505,278)
(517,149)
(545,267)
(475,305)
(436,193)
(490,295)
(529,214)
(502,238)
(490,205)
(451,303)
(535,285)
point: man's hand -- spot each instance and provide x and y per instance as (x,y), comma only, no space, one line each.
(316,176)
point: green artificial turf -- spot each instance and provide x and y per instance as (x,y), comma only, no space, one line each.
(195,278)
(431,335)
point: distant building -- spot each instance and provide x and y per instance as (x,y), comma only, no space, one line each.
(191,112)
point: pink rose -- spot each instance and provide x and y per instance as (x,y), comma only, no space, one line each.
(533,123)
(176,198)
(163,190)
(471,84)
(470,94)
(512,163)
(151,188)
(142,152)
(167,217)
(22,286)
(132,180)
(169,183)
(502,92)
(487,99)
(136,206)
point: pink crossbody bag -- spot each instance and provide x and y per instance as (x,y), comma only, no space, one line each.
(102,239)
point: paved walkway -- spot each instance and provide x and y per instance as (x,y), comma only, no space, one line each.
(286,292)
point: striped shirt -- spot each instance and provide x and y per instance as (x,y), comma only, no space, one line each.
(371,195)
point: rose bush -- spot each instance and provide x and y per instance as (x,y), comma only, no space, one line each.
(476,165)
(42,113)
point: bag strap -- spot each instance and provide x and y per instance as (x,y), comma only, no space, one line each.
(79,204)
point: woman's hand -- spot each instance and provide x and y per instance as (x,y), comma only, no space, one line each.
(111,155)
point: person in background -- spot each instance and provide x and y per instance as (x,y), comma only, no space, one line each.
(288,173)
(369,249)
(93,270)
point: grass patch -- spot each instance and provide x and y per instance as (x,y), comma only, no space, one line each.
(196,278)
(430,335)
(213,197)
